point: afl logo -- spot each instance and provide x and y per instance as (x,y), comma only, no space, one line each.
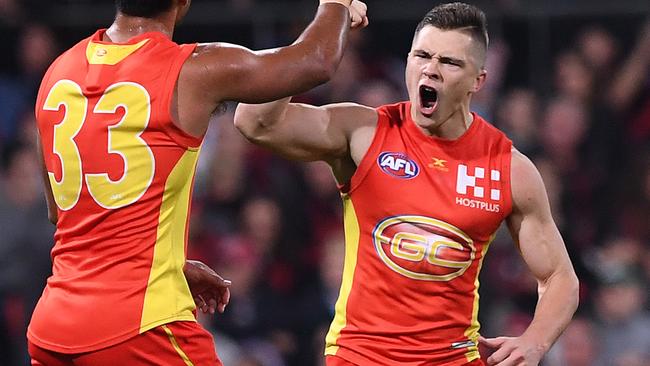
(423,248)
(398,165)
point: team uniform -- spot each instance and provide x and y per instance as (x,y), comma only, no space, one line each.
(121,174)
(420,213)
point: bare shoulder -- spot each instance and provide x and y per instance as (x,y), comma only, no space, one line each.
(207,58)
(352,115)
(522,167)
(359,123)
(528,190)
(220,49)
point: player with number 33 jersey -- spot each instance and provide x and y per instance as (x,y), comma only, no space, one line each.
(108,141)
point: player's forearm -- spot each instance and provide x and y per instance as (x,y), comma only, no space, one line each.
(557,303)
(254,120)
(322,43)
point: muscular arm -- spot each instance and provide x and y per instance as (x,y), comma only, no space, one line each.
(305,132)
(220,72)
(543,250)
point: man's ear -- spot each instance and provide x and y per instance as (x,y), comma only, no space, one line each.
(183,6)
(479,81)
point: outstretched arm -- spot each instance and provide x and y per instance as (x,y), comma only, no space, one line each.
(302,131)
(220,72)
(543,250)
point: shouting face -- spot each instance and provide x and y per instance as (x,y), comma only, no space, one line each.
(444,68)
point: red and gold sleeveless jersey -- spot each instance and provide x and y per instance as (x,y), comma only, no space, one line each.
(121,174)
(420,213)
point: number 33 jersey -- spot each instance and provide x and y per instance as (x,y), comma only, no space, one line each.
(121,175)
(420,213)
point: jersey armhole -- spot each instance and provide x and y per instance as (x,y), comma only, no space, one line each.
(367,160)
(181,137)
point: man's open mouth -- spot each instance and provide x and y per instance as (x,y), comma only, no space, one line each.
(428,100)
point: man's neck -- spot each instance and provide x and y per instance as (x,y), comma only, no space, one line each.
(126,27)
(451,127)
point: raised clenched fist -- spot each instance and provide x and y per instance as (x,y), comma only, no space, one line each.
(358,16)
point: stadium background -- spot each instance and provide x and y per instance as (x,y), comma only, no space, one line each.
(569,82)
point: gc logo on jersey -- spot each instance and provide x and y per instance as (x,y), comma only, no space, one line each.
(423,248)
(398,165)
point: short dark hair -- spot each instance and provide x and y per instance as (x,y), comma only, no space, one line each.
(143,8)
(458,16)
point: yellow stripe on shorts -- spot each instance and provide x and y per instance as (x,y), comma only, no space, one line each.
(178,349)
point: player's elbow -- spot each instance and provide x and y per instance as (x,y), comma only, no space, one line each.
(324,66)
(248,123)
(565,283)
(574,289)
(322,71)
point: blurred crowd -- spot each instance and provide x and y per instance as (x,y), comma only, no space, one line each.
(274,227)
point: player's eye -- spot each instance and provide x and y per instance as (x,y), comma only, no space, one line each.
(450,62)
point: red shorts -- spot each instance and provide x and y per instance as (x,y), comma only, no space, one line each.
(338,361)
(173,344)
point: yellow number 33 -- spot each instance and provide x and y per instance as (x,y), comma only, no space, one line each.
(123,139)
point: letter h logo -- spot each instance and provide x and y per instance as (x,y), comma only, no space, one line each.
(465,180)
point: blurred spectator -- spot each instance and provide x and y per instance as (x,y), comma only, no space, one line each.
(323,209)
(573,78)
(36,49)
(517,115)
(10,12)
(261,224)
(624,326)
(316,308)
(25,242)
(375,93)
(631,79)
(598,48)
(498,55)
(578,346)
(264,280)
(631,87)
(562,131)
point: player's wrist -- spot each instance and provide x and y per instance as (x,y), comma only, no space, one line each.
(345,3)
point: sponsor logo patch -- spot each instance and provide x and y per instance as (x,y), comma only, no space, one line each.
(439,164)
(473,193)
(398,165)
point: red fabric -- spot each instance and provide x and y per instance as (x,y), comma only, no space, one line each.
(426,210)
(153,347)
(338,361)
(102,257)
